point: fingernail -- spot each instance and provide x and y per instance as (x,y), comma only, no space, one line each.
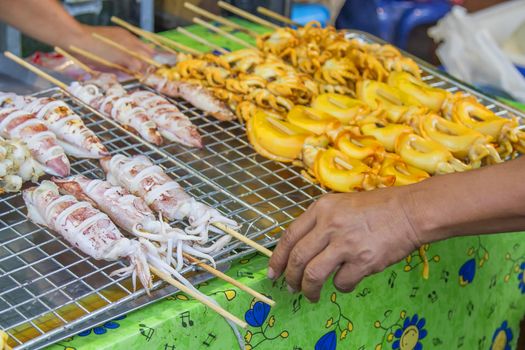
(290,289)
(271,273)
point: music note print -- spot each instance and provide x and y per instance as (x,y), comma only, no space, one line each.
(470,308)
(146,331)
(481,343)
(392,279)
(461,341)
(296,304)
(186,316)
(245,274)
(433,296)
(437,341)
(210,339)
(445,275)
(414,292)
(363,293)
(493,282)
(169,347)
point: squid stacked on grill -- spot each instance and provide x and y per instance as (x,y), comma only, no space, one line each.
(75,138)
(150,116)
(398,132)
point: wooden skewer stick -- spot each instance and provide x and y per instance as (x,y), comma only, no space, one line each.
(244,239)
(148,35)
(247,15)
(277,16)
(230,280)
(36,70)
(201,40)
(219,19)
(78,62)
(199,297)
(222,32)
(102,61)
(126,50)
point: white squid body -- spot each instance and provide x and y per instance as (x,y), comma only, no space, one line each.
(17,165)
(71,132)
(142,178)
(18,124)
(172,124)
(113,100)
(92,232)
(196,95)
(132,214)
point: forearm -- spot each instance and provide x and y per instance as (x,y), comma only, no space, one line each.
(487,200)
(44,20)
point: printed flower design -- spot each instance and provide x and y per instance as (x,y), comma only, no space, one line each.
(502,338)
(104,328)
(256,316)
(408,337)
(467,272)
(327,341)
(521,278)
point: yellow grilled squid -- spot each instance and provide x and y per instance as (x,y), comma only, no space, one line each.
(274,138)
(313,120)
(386,134)
(364,148)
(463,142)
(426,95)
(337,171)
(344,108)
(427,155)
(405,174)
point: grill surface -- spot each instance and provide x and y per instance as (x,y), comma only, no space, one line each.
(49,291)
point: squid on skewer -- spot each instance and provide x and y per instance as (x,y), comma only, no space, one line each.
(172,124)
(76,139)
(16,166)
(142,178)
(17,124)
(195,94)
(113,101)
(132,214)
(92,231)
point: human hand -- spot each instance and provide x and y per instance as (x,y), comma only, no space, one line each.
(353,234)
(119,35)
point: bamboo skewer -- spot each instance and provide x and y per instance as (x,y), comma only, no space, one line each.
(199,297)
(244,239)
(247,15)
(78,62)
(102,61)
(201,40)
(152,36)
(222,20)
(36,70)
(222,32)
(276,16)
(126,50)
(230,280)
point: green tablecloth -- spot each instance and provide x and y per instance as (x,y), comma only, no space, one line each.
(473,298)
(464,293)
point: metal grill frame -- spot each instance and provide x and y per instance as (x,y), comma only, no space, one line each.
(226,173)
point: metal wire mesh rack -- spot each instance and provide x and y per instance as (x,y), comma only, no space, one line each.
(49,291)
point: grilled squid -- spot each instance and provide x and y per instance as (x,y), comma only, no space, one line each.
(114,102)
(18,124)
(337,171)
(196,95)
(92,232)
(131,213)
(404,174)
(142,178)
(172,124)
(427,155)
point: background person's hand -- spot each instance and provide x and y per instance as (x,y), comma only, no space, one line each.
(354,235)
(119,35)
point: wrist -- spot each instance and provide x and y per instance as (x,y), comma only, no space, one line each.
(77,35)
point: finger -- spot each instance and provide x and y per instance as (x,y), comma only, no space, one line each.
(300,227)
(302,253)
(348,276)
(318,270)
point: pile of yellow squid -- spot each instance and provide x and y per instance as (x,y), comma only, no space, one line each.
(356,116)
